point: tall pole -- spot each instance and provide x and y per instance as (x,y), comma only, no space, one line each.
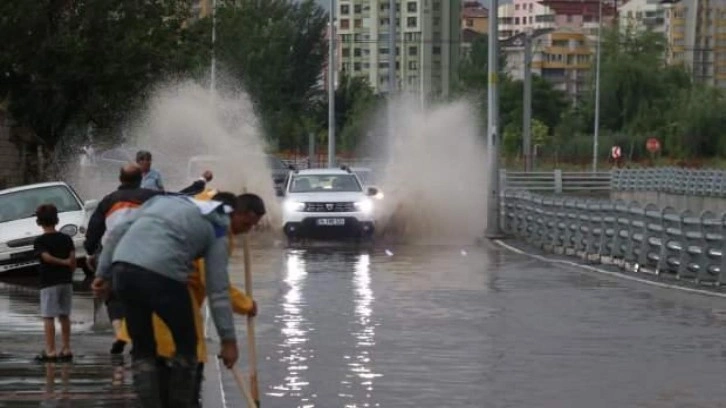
(527,108)
(331,87)
(392,82)
(493,228)
(596,130)
(213,69)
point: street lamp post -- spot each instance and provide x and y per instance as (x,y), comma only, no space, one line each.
(331,87)
(527,108)
(493,228)
(596,126)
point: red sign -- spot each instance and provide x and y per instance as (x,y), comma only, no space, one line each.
(615,152)
(652,144)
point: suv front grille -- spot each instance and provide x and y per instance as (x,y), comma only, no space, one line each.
(329,207)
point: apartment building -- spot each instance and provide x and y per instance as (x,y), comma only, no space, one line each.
(563,57)
(427,43)
(696,37)
(642,15)
(523,15)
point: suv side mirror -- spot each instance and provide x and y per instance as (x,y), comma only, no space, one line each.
(372,191)
(90,205)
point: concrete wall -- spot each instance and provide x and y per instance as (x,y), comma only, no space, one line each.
(696,204)
(10,164)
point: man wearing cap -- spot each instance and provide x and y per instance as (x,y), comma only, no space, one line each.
(149,257)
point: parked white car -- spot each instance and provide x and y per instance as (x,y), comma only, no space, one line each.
(18,228)
(327,203)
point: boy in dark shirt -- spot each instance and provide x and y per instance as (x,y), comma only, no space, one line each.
(57,263)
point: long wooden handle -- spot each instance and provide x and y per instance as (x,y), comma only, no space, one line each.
(243,386)
(251,344)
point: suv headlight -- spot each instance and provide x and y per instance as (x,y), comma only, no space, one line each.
(294,206)
(69,229)
(365,206)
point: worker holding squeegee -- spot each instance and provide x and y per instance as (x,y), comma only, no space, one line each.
(165,348)
(149,257)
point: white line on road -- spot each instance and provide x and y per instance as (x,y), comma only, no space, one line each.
(609,273)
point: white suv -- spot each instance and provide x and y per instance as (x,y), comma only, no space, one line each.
(327,203)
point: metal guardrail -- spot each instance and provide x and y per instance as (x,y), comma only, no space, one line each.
(673,180)
(555,181)
(637,238)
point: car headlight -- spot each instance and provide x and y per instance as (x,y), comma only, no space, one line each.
(294,206)
(69,229)
(365,206)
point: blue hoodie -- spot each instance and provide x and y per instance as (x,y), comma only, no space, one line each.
(165,235)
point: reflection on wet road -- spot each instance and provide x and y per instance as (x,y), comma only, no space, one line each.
(427,326)
(473,327)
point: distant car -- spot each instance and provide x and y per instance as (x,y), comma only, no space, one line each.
(18,228)
(327,203)
(199,164)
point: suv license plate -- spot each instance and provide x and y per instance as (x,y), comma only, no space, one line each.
(331,221)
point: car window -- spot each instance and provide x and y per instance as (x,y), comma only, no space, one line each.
(22,204)
(325,183)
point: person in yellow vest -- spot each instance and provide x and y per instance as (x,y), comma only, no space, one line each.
(165,349)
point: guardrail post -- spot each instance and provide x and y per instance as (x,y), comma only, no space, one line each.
(635,235)
(691,235)
(558,181)
(652,231)
(670,242)
(710,240)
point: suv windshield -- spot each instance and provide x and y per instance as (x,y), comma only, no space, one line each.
(325,183)
(22,204)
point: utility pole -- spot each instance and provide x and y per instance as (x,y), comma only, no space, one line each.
(596,130)
(213,69)
(331,87)
(527,108)
(493,228)
(392,56)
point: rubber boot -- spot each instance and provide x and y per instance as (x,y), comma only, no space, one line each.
(182,383)
(197,400)
(146,383)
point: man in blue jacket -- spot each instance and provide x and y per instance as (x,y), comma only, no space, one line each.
(148,256)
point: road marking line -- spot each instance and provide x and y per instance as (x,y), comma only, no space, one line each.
(609,273)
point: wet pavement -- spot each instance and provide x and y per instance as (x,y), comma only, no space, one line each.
(419,326)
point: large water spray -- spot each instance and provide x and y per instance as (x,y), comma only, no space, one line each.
(434,175)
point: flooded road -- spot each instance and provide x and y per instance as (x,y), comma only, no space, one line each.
(432,326)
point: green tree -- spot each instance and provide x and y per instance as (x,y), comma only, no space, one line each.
(276,49)
(354,104)
(64,62)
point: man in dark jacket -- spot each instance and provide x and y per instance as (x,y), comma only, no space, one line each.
(112,209)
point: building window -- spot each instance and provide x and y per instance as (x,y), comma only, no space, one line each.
(436,5)
(344,24)
(412,51)
(384,21)
(411,22)
(356,52)
(516,20)
(413,65)
(357,9)
(346,52)
(437,21)
(437,50)
(469,22)
(516,6)
(358,23)
(412,80)
(412,7)
(356,66)
(383,51)
(344,9)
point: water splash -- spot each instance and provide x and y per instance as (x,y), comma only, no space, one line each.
(434,176)
(186,120)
